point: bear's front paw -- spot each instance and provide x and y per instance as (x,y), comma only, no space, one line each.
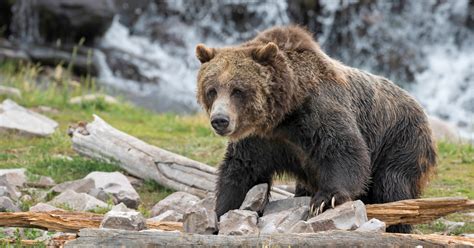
(322,201)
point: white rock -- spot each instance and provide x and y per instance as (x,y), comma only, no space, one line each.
(178,201)
(15,177)
(93,97)
(373,225)
(120,217)
(77,201)
(238,222)
(43,207)
(117,185)
(281,222)
(78,186)
(10,91)
(14,117)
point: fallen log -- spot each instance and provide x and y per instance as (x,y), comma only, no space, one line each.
(64,221)
(101,141)
(418,211)
(121,238)
(415,211)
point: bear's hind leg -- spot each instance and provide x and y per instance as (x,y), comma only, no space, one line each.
(402,171)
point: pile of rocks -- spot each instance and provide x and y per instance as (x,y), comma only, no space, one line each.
(256,216)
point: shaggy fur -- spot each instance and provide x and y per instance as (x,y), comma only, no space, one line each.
(342,132)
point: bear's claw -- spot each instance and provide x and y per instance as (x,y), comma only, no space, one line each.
(333,202)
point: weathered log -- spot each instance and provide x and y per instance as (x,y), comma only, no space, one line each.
(121,238)
(101,141)
(417,211)
(64,221)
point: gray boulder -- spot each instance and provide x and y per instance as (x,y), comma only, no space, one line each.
(348,216)
(201,218)
(178,201)
(282,222)
(77,201)
(373,225)
(78,186)
(256,198)
(120,217)
(14,117)
(6,189)
(285,204)
(239,222)
(116,185)
(7,205)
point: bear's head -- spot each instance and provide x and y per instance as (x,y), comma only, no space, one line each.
(244,90)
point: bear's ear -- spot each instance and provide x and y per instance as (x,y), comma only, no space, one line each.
(204,54)
(266,53)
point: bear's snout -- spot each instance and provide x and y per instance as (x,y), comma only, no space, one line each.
(220,123)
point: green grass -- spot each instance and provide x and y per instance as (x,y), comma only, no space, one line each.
(188,135)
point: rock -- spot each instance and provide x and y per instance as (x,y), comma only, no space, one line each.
(79,186)
(65,20)
(9,91)
(8,189)
(117,185)
(43,207)
(451,225)
(467,235)
(46,181)
(38,195)
(238,222)
(120,217)
(373,225)
(92,98)
(77,201)
(14,117)
(7,205)
(101,195)
(442,130)
(14,177)
(201,218)
(285,204)
(281,222)
(45,109)
(169,215)
(26,198)
(178,201)
(348,216)
(256,198)
(286,187)
(136,182)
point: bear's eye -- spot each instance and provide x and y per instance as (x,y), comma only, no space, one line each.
(211,93)
(237,93)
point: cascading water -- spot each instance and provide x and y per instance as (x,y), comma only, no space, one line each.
(427,47)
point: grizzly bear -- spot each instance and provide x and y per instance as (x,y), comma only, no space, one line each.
(287,107)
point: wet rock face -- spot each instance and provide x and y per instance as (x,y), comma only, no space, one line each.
(65,20)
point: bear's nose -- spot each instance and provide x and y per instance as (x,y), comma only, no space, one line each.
(220,122)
